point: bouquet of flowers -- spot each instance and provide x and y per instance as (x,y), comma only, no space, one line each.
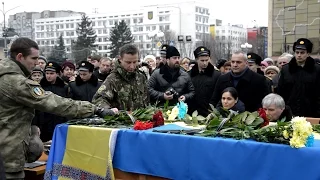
(297,133)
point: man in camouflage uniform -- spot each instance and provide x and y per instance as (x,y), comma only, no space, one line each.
(19,97)
(126,87)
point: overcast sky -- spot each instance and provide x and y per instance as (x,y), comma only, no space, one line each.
(230,11)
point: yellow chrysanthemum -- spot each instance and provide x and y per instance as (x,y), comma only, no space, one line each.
(302,129)
(285,134)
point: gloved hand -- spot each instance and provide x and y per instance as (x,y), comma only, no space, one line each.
(101,112)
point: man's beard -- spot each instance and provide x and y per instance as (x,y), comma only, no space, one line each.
(176,66)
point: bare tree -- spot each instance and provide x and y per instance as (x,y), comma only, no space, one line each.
(169,36)
(219,48)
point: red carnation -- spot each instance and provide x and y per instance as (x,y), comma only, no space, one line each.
(141,125)
(263,115)
(158,119)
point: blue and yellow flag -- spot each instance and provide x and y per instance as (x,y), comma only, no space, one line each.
(81,152)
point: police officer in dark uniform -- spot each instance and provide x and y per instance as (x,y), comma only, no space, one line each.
(51,82)
(204,78)
(254,61)
(299,82)
(86,83)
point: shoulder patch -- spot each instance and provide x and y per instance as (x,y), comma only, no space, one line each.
(101,89)
(37,91)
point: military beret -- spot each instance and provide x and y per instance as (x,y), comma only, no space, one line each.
(163,49)
(172,51)
(86,66)
(253,57)
(201,51)
(53,66)
(303,44)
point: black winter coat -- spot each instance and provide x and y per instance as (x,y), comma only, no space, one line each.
(252,88)
(204,84)
(46,121)
(300,87)
(161,81)
(84,91)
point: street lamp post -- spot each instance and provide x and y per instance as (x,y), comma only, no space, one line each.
(246,46)
(4,24)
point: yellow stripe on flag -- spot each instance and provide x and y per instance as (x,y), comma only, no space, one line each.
(87,148)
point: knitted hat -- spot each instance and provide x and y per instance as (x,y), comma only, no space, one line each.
(270,68)
(69,65)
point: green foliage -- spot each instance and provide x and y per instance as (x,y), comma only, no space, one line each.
(58,53)
(120,35)
(85,42)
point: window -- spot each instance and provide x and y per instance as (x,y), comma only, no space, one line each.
(135,21)
(140,20)
(72,25)
(99,31)
(93,23)
(67,25)
(148,46)
(197,18)
(61,26)
(105,47)
(141,46)
(111,22)
(161,28)
(105,31)
(154,28)
(167,27)
(52,41)
(141,38)
(100,48)
(197,9)
(148,28)
(99,23)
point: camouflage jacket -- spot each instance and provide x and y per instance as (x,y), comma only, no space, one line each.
(19,97)
(123,90)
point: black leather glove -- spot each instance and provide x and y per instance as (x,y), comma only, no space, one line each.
(101,112)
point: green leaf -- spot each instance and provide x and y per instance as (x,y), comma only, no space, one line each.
(250,118)
(257,121)
(244,116)
(188,117)
(201,118)
(213,124)
(237,118)
(195,113)
(283,119)
(212,107)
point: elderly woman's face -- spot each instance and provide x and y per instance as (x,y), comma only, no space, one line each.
(282,61)
(273,112)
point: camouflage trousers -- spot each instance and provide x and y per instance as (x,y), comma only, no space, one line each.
(15,175)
